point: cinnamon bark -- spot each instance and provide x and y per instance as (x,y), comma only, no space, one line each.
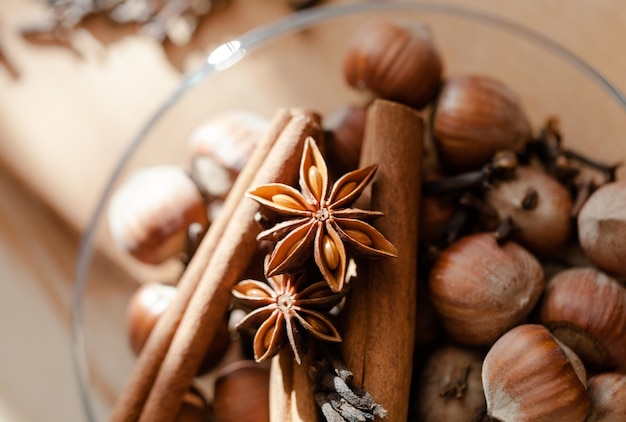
(289,132)
(291,390)
(380,312)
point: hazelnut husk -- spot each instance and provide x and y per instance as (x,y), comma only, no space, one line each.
(150,213)
(481,289)
(394,60)
(602,227)
(529,376)
(586,309)
(475,117)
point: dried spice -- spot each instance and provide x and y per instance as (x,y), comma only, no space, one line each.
(175,20)
(336,395)
(284,306)
(321,219)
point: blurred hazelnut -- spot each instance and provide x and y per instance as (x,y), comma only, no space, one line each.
(602,227)
(450,388)
(221,146)
(242,393)
(195,408)
(150,213)
(345,128)
(147,305)
(394,60)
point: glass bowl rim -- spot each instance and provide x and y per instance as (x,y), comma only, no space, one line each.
(232,51)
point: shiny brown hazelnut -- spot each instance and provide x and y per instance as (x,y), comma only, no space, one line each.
(394,60)
(195,408)
(538,205)
(602,227)
(481,289)
(449,388)
(345,128)
(529,376)
(146,306)
(586,309)
(150,213)
(434,215)
(607,392)
(242,393)
(475,117)
(220,147)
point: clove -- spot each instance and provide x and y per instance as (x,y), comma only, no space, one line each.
(548,149)
(501,167)
(505,230)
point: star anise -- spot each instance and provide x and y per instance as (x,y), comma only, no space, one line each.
(281,308)
(321,219)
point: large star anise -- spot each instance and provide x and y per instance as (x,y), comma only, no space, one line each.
(320,219)
(281,308)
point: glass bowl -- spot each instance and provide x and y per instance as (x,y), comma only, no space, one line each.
(296,62)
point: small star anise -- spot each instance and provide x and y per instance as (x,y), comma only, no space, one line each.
(320,219)
(281,308)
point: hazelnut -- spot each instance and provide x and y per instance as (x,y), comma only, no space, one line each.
(242,393)
(602,227)
(529,376)
(434,215)
(195,408)
(449,388)
(538,205)
(586,309)
(220,148)
(475,117)
(145,307)
(345,128)
(150,213)
(395,61)
(481,289)
(607,392)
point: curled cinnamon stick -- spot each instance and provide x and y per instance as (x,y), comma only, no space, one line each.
(130,403)
(380,311)
(233,252)
(291,389)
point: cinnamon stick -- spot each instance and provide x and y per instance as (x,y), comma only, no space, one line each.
(380,311)
(291,390)
(128,406)
(211,298)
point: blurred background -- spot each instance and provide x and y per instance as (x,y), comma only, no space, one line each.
(72,98)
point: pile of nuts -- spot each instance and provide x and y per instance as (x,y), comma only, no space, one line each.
(521,297)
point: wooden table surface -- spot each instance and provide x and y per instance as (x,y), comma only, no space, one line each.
(62,130)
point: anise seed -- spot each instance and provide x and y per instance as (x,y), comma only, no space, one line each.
(345,190)
(315,181)
(331,253)
(359,236)
(287,201)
